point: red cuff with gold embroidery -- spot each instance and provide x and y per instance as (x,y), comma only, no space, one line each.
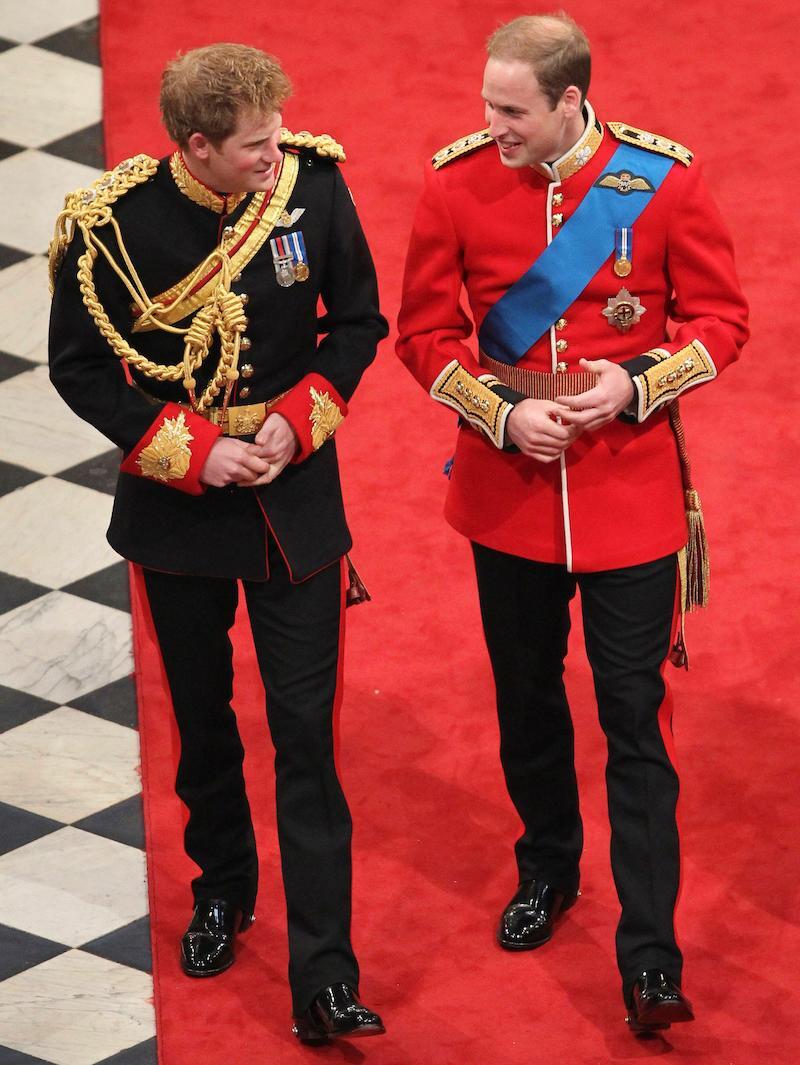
(174,450)
(315,410)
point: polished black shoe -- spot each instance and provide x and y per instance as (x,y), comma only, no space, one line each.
(655,1002)
(528,920)
(334,1013)
(207,946)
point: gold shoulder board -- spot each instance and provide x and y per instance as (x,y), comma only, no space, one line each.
(463,146)
(323,144)
(651,141)
(89,206)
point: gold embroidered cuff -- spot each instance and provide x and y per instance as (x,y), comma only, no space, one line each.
(672,376)
(325,417)
(472,398)
(168,456)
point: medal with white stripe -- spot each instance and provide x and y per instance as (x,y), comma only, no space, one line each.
(623,251)
(282,257)
(300,259)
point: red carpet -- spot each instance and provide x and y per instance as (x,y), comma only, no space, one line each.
(433,826)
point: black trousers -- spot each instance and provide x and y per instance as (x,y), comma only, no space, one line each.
(627,617)
(297,635)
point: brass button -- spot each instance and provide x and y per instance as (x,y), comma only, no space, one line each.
(244,298)
(561,323)
(238,278)
(245,322)
(245,344)
(247,370)
(561,367)
(557,220)
(561,346)
(558,199)
(244,392)
(227,232)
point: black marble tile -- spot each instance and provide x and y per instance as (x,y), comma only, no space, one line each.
(9,255)
(84,146)
(18,827)
(108,586)
(100,472)
(12,477)
(20,951)
(114,702)
(18,707)
(78,42)
(126,946)
(6,43)
(141,1054)
(14,591)
(122,822)
(13,1057)
(11,365)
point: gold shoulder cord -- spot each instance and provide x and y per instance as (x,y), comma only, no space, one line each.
(323,144)
(223,312)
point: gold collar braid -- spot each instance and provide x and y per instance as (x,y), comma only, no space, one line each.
(222,311)
(198,192)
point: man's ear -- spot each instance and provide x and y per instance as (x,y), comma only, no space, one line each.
(571,101)
(199,146)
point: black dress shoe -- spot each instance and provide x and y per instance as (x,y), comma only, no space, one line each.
(528,920)
(656,1002)
(336,1012)
(207,946)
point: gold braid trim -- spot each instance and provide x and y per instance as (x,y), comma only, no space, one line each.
(323,144)
(90,206)
(222,311)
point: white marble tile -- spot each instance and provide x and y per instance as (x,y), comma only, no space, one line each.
(36,184)
(46,96)
(40,432)
(25,309)
(68,764)
(61,646)
(76,1009)
(72,886)
(52,532)
(33,19)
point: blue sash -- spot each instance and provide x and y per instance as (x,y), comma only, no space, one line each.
(564,269)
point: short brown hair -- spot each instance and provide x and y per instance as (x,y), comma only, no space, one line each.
(205,90)
(554,45)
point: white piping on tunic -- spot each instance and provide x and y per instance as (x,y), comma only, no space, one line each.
(553,363)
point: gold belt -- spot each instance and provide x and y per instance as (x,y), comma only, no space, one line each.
(538,385)
(243,420)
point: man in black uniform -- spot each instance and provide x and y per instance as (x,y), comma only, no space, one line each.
(201,273)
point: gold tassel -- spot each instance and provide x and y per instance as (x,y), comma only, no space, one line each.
(695,589)
(693,567)
(356,589)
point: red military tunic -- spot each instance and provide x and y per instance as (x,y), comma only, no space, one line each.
(616,497)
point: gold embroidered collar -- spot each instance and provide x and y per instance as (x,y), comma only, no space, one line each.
(199,193)
(581,151)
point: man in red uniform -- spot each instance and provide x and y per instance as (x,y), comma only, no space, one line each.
(575,241)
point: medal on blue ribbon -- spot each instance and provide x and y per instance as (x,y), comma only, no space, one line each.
(623,251)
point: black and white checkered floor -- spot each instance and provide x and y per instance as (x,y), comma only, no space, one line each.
(75,985)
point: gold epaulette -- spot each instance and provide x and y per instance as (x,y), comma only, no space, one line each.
(323,145)
(650,141)
(463,146)
(90,206)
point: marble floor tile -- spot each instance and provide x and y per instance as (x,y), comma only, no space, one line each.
(114,702)
(40,431)
(109,586)
(72,886)
(60,647)
(67,765)
(52,532)
(21,950)
(20,827)
(46,95)
(25,309)
(9,255)
(36,183)
(127,946)
(123,822)
(33,19)
(76,1009)
(17,707)
(80,41)
(14,477)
